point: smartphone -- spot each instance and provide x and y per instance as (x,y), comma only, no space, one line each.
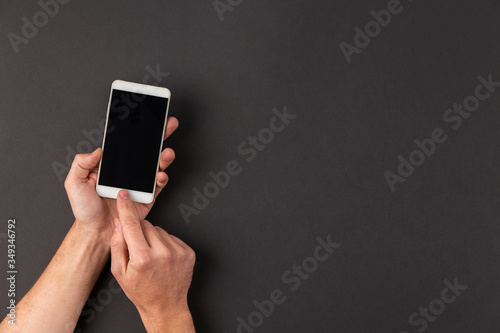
(133,137)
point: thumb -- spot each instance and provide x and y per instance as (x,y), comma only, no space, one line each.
(82,164)
(119,251)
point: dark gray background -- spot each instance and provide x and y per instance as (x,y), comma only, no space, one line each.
(323,175)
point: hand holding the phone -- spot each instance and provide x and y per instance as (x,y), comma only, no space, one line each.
(96,213)
(153,268)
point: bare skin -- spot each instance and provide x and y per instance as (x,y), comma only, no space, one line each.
(56,300)
(143,256)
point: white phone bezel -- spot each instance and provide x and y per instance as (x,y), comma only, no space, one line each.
(112,192)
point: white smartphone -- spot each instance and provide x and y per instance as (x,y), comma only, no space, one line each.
(133,137)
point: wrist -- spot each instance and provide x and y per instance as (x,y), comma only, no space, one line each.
(177,320)
(86,232)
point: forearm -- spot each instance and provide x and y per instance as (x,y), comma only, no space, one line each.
(56,300)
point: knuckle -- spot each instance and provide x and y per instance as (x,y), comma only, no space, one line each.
(143,260)
(114,242)
(165,254)
(147,223)
(78,157)
(186,254)
(191,255)
(130,222)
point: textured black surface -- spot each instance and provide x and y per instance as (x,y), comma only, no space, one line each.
(323,174)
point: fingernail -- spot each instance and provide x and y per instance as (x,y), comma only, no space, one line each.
(124,194)
(93,153)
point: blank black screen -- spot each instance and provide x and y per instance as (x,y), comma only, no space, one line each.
(133,138)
